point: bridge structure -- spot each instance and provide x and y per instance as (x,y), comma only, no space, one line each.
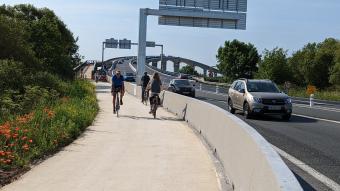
(176,61)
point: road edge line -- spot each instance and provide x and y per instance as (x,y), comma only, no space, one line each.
(316,118)
(314,173)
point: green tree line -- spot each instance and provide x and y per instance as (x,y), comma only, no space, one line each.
(37,54)
(315,64)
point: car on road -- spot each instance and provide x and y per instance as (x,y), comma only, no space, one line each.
(130,77)
(102,76)
(258,97)
(182,86)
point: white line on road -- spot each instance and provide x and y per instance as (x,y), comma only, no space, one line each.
(318,107)
(316,118)
(314,173)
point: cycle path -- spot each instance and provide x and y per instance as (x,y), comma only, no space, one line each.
(132,152)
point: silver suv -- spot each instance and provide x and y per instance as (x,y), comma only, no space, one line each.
(258,97)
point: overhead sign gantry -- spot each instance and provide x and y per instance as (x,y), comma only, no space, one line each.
(226,14)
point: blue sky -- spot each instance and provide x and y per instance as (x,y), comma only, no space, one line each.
(289,24)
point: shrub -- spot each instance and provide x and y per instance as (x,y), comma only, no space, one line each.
(52,124)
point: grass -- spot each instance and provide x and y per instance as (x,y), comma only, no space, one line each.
(331,94)
(51,125)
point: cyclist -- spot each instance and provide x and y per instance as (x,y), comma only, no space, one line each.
(155,86)
(145,81)
(117,84)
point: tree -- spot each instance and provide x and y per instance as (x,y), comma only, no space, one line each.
(188,69)
(274,66)
(313,64)
(237,60)
(335,73)
(49,38)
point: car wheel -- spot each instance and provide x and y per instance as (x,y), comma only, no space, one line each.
(230,107)
(286,117)
(246,111)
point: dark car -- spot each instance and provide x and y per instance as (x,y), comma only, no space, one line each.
(130,77)
(182,86)
(102,76)
(183,76)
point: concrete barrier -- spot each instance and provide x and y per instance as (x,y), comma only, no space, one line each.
(248,159)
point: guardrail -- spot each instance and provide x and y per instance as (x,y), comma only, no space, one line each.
(248,159)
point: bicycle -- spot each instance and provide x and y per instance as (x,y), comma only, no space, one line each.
(117,92)
(145,96)
(154,104)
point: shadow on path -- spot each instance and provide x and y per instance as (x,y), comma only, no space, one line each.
(150,118)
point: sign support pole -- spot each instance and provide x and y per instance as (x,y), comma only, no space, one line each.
(103,47)
(141,44)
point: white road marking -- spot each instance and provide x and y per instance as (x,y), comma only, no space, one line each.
(317,107)
(316,118)
(314,173)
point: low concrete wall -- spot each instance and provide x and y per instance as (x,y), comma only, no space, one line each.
(248,159)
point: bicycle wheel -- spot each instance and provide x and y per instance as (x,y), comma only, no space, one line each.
(146,98)
(155,105)
(117,104)
(154,111)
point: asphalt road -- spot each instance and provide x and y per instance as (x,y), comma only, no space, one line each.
(312,136)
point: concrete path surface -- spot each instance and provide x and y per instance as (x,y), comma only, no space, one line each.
(133,152)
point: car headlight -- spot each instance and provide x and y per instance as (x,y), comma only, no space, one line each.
(288,100)
(257,100)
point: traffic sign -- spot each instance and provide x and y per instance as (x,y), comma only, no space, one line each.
(228,14)
(125,44)
(150,44)
(111,43)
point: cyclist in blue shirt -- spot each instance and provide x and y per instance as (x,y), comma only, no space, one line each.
(117,86)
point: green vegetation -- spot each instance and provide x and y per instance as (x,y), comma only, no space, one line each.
(237,60)
(41,106)
(274,66)
(214,79)
(316,64)
(331,94)
(51,124)
(188,70)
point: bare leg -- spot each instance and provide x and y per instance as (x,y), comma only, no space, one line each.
(121,97)
(114,102)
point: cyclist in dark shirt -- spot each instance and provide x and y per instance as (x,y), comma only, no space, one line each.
(145,81)
(155,85)
(117,85)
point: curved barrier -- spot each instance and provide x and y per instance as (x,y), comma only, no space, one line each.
(248,159)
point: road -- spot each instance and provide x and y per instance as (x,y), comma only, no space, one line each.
(312,137)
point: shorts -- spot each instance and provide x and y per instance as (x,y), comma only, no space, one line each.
(118,89)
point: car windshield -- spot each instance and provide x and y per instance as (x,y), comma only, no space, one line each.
(182,82)
(262,87)
(129,74)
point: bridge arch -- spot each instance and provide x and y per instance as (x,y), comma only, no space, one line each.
(177,62)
